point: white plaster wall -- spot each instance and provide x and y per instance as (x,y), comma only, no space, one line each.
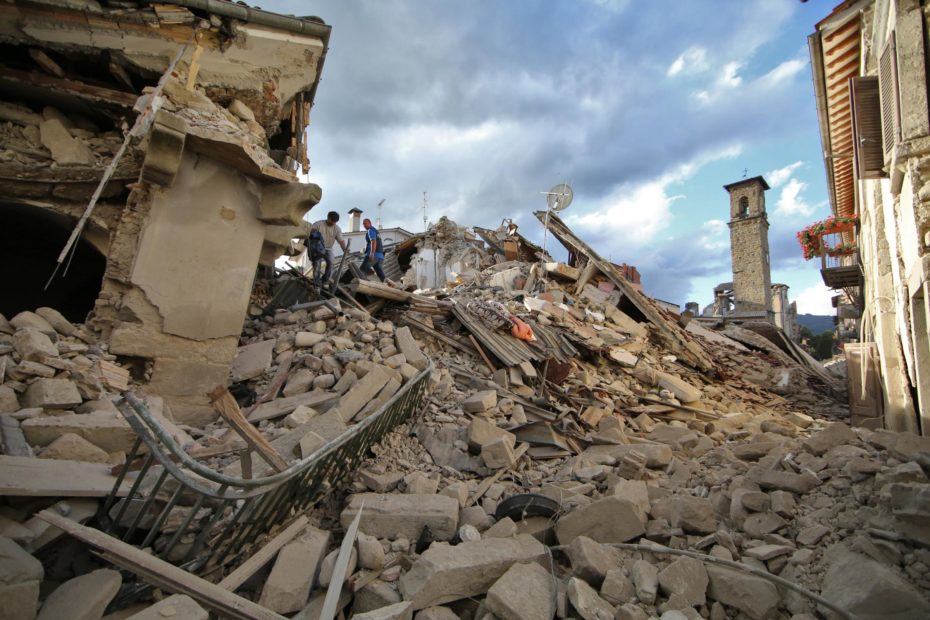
(199,249)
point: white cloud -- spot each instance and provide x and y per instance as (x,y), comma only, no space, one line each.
(714,235)
(790,201)
(780,175)
(692,60)
(815,300)
(729,75)
(635,213)
(784,71)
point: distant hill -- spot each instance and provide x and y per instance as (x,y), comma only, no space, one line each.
(817,323)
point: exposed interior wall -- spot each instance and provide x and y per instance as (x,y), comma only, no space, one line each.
(30,240)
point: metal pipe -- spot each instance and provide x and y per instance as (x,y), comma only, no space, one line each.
(258,16)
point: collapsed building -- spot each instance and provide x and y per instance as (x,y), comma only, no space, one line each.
(203,187)
(501,434)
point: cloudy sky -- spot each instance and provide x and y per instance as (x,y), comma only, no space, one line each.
(646,107)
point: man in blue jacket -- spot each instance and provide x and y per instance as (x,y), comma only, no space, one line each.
(374,250)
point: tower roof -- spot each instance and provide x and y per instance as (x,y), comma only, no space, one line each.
(355,210)
(757,179)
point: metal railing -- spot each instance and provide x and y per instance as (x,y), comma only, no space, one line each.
(201,519)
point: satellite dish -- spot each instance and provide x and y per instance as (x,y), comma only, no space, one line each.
(559,197)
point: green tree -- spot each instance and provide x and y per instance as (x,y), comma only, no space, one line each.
(823,345)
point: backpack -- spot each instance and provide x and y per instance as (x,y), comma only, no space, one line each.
(315,247)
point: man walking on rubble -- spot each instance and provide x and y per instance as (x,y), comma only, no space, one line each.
(330,233)
(374,250)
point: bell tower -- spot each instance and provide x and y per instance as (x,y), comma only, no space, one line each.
(749,248)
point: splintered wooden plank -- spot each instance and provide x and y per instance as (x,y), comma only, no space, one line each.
(227,407)
(33,477)
(162,574)
(264,555)
(283,406)
(114,376)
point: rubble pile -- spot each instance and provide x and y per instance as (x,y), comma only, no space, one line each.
(580,468)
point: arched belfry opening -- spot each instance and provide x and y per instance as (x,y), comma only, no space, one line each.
(30,241)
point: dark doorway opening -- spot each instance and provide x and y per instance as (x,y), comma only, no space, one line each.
(30,241)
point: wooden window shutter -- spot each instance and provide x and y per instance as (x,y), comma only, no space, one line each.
(891,111)
(869,155)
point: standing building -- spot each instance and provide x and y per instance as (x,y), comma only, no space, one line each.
(870,80)
(749,247)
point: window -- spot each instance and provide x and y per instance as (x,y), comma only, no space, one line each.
(890,106)
(868,151)
(743,206)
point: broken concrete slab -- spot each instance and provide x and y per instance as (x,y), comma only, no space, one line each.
(370,552)
(403,515)
(57,320)
(836,434)
(52,394)
(786,481)
(657,454)
(645,578)
(397,611)
(30,319)
(444,573)
(607,520)
(252,360)
(686,577)
(9,401)
(482,432)
(294,572)
(498,453)
(754,596)
(175,607)
(72,447)
(692,514)
(108,431)
(617,587)
(590,560)
(65,149)
(524,592)
(364,390)
(82,598)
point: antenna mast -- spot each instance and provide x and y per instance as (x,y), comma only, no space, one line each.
(425,220)
(379,212)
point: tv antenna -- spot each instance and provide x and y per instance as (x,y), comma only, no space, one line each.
(557,199)
(425,220)
(379,212)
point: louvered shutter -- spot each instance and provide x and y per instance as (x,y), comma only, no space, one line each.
(891,111)
(865,100)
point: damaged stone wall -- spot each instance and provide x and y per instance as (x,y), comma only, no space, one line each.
(199,199)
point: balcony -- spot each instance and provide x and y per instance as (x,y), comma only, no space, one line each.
(834,241)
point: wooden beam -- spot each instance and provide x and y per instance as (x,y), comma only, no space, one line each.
(377,289)
(264,555)
(426,329)
(277,382)
(227,407)
(72,87)
(44,60)
(162,574)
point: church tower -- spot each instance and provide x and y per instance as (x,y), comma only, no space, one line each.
(749,248)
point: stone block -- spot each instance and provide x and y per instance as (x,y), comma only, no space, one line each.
(634,491)
(9,401)
(754,596)
(870,590)
(20,600)
(587,602)
(328,567)
(444,573)
(52,394)
(252,360)
(72,447)
(419,483)
(786,481)
(692,514)
(591,560)
(299,382)
(436,612)
(286,203)
(686,577)
(836,434)
(480,401)
(294,572)
(397,611)
(370,552)
(657,455)
(20,574)
(505,528)
(645,578)
(30,319)
(617,587)
(33,345)
(380,482)
(607,520)
(482,432)
(310,443)
(165,148)
(498,453)
(308,339)
(82,598)
(107,431)
(409,346)
(174,607)
(375,595)
(524,592)
(400,515)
